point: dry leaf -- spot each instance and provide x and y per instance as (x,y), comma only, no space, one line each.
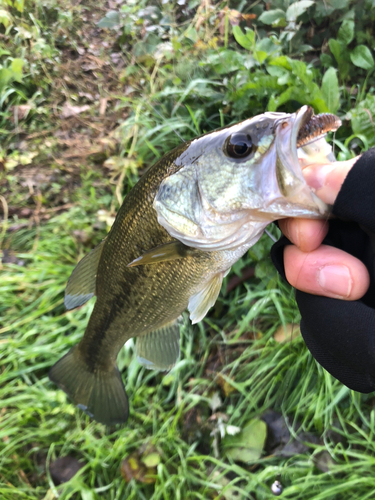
(19,112)
(247,446)
(69,110)
(287,333)
(64,468)
(225,385)
(133,468)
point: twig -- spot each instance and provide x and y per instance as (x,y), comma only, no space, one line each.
(237,280)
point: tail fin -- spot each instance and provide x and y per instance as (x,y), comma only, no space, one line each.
(100,394)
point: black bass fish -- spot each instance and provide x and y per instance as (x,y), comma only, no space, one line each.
(180,229)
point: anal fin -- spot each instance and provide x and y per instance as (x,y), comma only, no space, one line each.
(200,302)
(160,349)
(82,282)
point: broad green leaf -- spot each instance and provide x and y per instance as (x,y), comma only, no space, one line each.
(260,55)
(282,61)
(246,40)
(5,76)
(299,69)
(17,65)
(302,95)
(335,47)
(272,16)
(19,4)
(326,60)
(5,18)
(111,20)
(346,31)
(330,90)
(247,446)
(297,9)
(4,52)
(151,460)
(361,56)
(363,119)
(87,494)
(192,34)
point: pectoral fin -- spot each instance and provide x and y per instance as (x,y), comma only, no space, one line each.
(160,349)
(82,282)
(200,303)
(162,253)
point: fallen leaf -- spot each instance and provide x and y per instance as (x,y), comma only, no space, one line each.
(17,158)
(280,441)
(19,112)
(287,333)
(151,459)
(68,110)
(64,468)
(81,236)
(215,401)
(323,461)
(133,468)
(10,257)
(105,216)
(247,446)
(226,386)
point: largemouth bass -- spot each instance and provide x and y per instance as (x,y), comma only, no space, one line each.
(180,229)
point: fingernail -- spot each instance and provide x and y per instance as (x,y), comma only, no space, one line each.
(335,280)
(316,177)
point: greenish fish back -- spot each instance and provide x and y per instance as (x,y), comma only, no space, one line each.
(82,282)
(100,393)
(160,349)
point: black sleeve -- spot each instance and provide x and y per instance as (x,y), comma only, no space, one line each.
(341,334)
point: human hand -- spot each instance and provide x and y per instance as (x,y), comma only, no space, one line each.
(315,268)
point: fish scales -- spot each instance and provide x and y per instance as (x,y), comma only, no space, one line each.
(180,229)
(140,300)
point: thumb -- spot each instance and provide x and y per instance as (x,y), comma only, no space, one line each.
(326,180)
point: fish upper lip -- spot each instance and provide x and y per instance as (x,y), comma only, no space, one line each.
(292,184)
(286,133)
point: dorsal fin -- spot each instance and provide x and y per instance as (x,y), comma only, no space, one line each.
(82,282)
(160,349)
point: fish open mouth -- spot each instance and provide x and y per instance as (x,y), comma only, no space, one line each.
(310,131)
(300,141)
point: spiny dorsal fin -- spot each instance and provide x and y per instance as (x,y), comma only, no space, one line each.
(160,349)
(82,282)
(162,253)
(200,302)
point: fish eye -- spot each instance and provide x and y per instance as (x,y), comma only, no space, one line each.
(239,146)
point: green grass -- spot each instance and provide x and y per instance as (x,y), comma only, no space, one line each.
(232,369)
